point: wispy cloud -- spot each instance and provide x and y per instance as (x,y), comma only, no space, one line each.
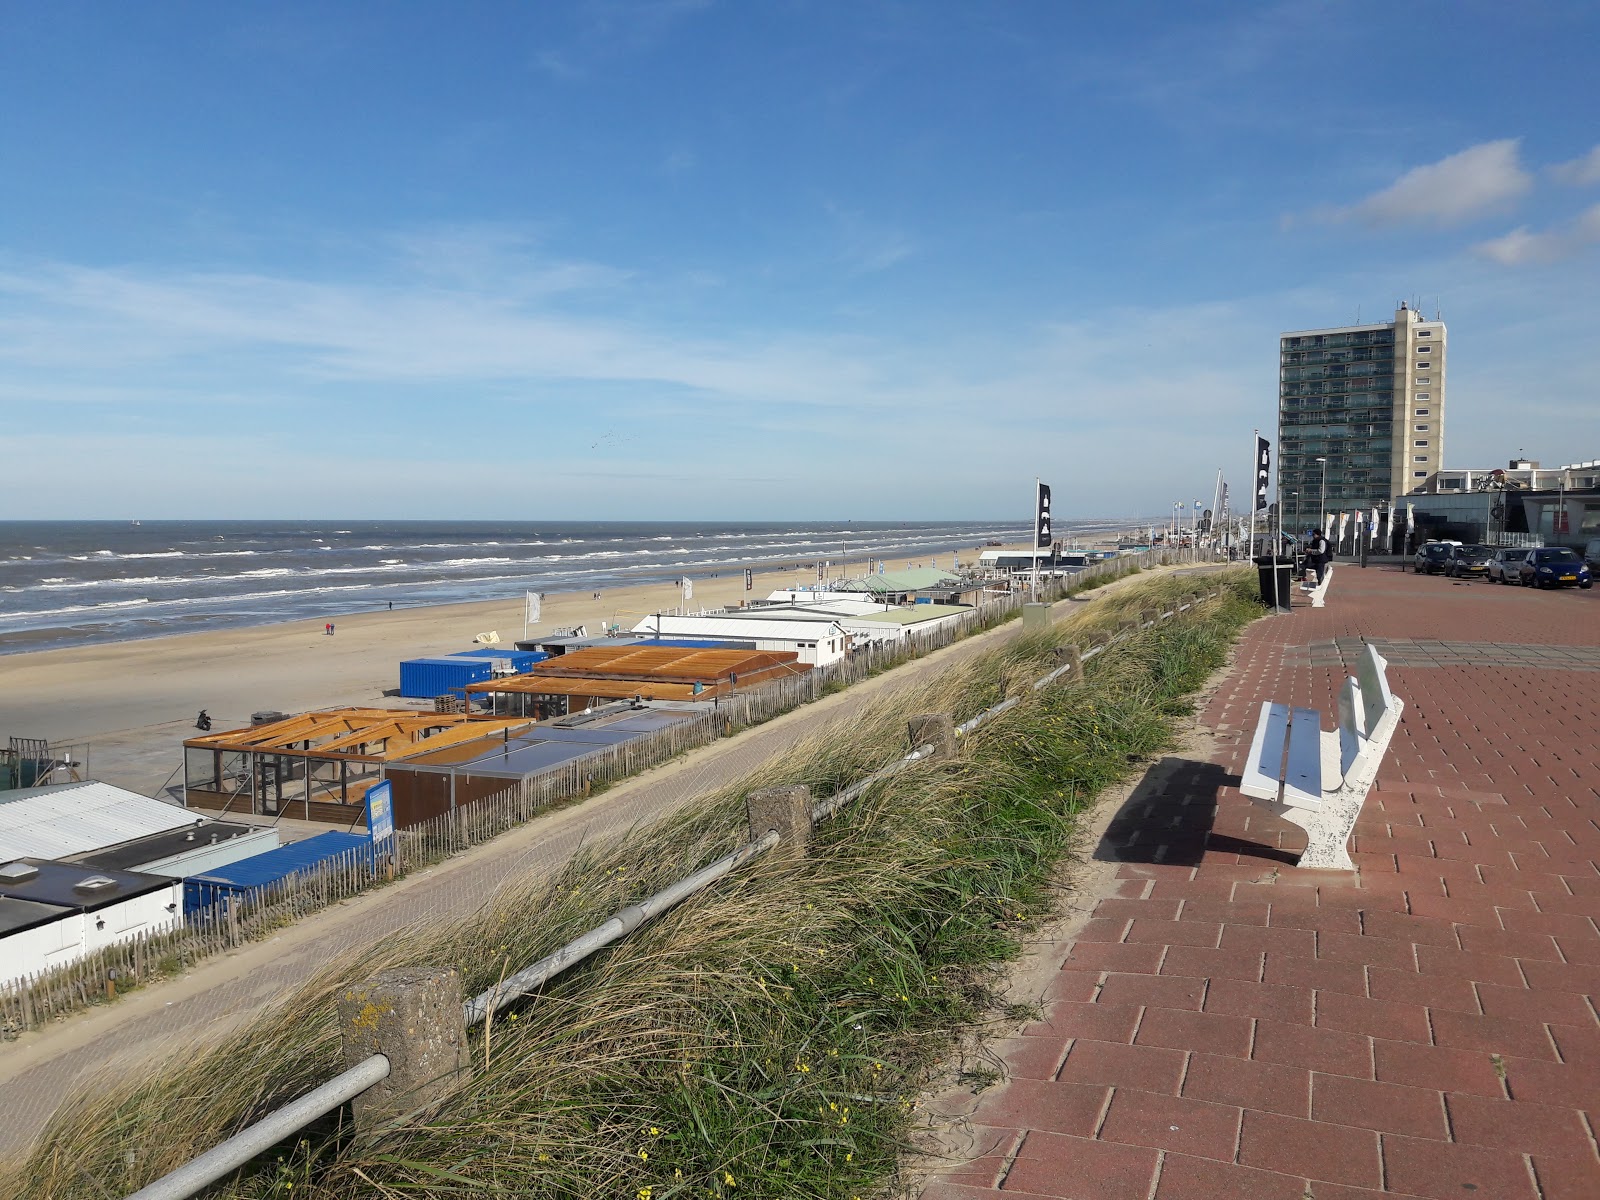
(1524,247)
(1479,181)
(1581,171)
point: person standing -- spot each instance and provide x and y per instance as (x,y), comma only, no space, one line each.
(1319,552)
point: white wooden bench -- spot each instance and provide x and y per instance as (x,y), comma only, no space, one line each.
(1319,780)
(1319,592)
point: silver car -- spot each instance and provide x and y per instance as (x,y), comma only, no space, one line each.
(1504,563)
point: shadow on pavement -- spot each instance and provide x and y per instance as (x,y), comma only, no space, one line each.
(1170,816)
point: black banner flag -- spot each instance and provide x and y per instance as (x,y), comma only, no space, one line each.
(1263,470)
(1041,521)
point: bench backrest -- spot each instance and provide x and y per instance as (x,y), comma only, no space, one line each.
(1376,698)
(1352,725)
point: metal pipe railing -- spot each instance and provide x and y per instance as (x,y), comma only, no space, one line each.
(271,1129)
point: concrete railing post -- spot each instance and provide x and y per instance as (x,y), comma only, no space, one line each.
(785,809)
(1071,656)
(1148,616)
(934,729)
(412,1016)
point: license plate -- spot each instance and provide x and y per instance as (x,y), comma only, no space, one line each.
(1569,579)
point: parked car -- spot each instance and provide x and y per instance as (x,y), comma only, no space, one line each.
(1469,562)
(1433,557)
(1591,555)
(1503,566)
(1554,566)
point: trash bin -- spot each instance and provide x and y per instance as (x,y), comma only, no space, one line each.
(1276,577)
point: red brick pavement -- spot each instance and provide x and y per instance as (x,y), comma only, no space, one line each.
(1227,1025)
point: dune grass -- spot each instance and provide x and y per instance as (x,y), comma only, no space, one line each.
(766,1039)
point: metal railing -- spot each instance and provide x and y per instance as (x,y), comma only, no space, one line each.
(261,1135)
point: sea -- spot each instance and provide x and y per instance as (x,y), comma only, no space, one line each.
(72,583)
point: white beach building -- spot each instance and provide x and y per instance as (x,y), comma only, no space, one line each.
(53,913)
(817,638)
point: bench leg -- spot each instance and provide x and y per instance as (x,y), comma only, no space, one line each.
(1327,830)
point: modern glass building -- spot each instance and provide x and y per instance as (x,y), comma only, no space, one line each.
(1360,415)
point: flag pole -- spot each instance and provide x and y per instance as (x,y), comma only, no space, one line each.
(1255,467)
(1035,539)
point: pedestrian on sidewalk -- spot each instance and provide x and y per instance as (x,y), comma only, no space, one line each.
(1317,548)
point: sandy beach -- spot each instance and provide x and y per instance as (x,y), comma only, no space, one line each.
(134,702)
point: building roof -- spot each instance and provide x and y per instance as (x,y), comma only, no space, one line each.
(156,846)
(17,915)
(368,734)
(606,689)
(73,818)
(914,579)
(916,614)
(663,664)
(70,885)
(749,624)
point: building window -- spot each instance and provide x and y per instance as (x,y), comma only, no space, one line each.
(1419,474)
(1419,428)
(1419,458)
(1423,396)
(1424,333)
(1424,349)
(1423,381)
(1422,444)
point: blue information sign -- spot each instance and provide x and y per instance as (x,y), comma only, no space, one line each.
(380,811)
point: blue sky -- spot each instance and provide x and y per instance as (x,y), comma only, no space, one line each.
(685,258)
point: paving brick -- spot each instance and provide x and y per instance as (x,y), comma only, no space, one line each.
(1529,1004)
(1518,1125)
(1104,929)
(1149,1068)
(1438,1068)
(1161,991)
(1385,1107)
(1042,1104)
(1407,927)
(1493,1035)
(1508,943)
(1319,974)
(1373,951)
(1556,924)
(1245,1083)
(1226,912)
(1430,991)
(1175,933)
(1185,1178)
(985,1159)
(1570,1178)
(1458,964)
(1579,950)
(1078,987)
(1201,962)
(1106,1022)
(1319,920)
(1375,1018)
(1456,908)
(1053,1165)
(1328,1050)
(1241,998)
(1177,1123)
(1422,1167)
(1311,1149)
(1577,1044)
(1113,956)
(1153,910)
(1301,943)
(1206,1032)
(1028,1057)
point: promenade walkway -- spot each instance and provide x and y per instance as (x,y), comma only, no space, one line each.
(1226,1026)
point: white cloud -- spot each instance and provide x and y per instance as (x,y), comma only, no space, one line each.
(1479,181)
(1581,171)
(1522,247)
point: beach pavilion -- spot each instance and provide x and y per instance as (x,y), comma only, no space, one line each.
(598,675)
(317,766)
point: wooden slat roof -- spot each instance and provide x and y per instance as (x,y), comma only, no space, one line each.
(339,732)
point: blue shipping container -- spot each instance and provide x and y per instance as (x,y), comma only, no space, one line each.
(521,660)
(425,678)
(239,879)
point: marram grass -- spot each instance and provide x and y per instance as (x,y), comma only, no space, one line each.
(766,1039)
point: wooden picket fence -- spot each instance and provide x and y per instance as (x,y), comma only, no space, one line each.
(33,1002)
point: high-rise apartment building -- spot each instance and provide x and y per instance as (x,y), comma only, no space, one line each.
(1367,399)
